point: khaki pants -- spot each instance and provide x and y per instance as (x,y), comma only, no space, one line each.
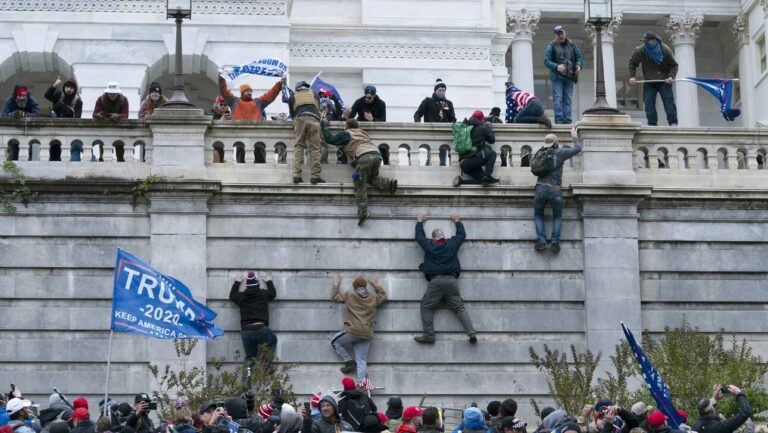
(306,132)
(367,173)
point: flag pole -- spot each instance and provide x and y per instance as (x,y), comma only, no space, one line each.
(109,364)
(676,79)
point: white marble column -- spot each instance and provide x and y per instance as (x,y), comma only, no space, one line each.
(522,25)
(608,36)
(741,35)
(684,29)
(499,48)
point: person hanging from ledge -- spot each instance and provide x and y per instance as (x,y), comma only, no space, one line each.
(66,102)
(254,314)
(436,108)
(659,67)
(441,268)
(547,165)
(246,107)
(304,107)
(154,100)
(366,160)
(20,104)
(478,162)
(523,107)
(361,306)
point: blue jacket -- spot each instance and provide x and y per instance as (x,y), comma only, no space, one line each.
(32,109)
(551,61)
(440,258)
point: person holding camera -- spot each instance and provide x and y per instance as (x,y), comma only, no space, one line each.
(211,415)
(139,420)
(709,419)
(478,163)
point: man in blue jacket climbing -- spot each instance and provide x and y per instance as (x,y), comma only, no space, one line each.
(441,267)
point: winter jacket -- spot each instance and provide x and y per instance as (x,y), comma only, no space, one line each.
(148,106)
(432,111)
(10,105)
(652,71)
(567,54)
(57,411)
(253,303)
(84,427)
(142,424)
(440,257)
(562,154)
(405,428)
(324,425)
(377,108)
(345,403)
(360,314)
(65,105)
(713,423)
(356,142)
(23,427)
(481,135)
(252,109)
(106,106)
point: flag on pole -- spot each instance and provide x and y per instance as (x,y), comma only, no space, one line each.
(267,66)
(317,85)
(722,89)
(656,385)
(146,302)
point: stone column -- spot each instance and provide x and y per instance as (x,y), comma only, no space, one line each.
(609,63)
(178,142)
(499,48)
(522,25)
(741,35)
(684,29)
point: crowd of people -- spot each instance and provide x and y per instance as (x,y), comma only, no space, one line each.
(353,410)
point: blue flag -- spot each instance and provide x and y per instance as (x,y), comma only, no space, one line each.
(318,85)
(656,385)
(146,302)
(721,89)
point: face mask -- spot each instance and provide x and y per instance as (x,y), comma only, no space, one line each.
(155,97)
(362,291)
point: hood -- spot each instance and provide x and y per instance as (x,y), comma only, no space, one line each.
(553,420)
(330,400)
(71,81)
(290,421)
(474,121)
(237,408)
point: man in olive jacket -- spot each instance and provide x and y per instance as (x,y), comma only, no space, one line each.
(659,64)
(358,322)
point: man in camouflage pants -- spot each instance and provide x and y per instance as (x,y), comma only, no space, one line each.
(304,107)
(365,159)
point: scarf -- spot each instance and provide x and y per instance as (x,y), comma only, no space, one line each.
(437,98)
(654,52)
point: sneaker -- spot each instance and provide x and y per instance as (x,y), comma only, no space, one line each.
(540,246)
(555,247)
(297,179)
(349,367)
(544,120)
(393,186)
(489,180)
(362,218)
(472,338)
(425,339)
(316,180)
(457,181)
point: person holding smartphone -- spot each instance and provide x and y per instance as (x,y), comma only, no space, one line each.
(139,419)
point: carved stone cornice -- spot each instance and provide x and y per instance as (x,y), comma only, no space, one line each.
(609,31)
(740,29)
(241,7)
(389,52)
(522,24)
(764,5)
(684,28)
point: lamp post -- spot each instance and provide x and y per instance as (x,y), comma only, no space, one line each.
(179,9)
(598,13)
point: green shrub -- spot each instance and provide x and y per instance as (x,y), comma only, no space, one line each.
(570,386)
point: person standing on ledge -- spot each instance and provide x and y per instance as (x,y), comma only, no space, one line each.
(304,107)
(441,268)
(659,65)
(564,61)
(436,108)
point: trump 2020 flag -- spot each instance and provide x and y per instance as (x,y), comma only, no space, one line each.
(317,85)
(722,89)
(269,67)
(146,302)
(656,385)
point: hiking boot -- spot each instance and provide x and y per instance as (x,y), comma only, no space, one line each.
(544,120)
(316,180)
(555,247)
(540,246)
(488,180)
(425,339)
(393,186)
(297,179)
(362,218)
(472,338)
(457,181)
(349,367)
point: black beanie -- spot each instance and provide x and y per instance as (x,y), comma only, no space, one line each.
(439,83)
(155,87)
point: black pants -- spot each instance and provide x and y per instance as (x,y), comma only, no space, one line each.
(478,165)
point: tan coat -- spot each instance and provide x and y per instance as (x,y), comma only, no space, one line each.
(361,312)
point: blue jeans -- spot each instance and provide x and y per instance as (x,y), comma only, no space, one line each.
(667,98)
(554,197)
(74,151)
(562,93)
(531,112)
(252,341)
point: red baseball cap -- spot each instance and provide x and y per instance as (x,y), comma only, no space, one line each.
(411,412)
(656,419)
(80,414)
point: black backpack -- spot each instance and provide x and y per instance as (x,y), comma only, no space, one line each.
(543,162)
(357,409)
